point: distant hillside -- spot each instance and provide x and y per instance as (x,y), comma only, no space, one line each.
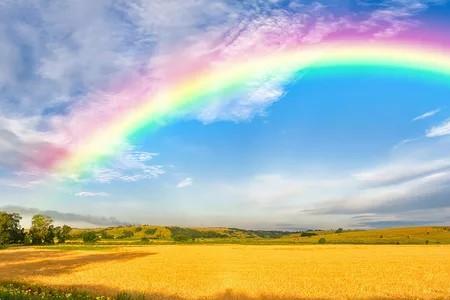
(166,234)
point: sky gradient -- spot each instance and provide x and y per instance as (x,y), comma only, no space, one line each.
(227,113)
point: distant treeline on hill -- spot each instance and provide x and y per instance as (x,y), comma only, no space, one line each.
(44,232)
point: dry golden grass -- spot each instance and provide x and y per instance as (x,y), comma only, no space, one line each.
(247,272)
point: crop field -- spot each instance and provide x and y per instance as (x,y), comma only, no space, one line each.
(237,271)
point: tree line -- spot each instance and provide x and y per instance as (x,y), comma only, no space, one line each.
(41,232)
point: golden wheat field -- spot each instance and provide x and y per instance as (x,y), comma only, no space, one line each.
(240,271)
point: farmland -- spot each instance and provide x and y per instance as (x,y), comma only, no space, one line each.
(159,262)
(237,271)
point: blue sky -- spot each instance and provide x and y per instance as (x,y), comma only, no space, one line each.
(331,149)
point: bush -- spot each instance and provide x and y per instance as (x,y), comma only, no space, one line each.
(89,237)
(145,240)
(138,229)
(150,231)
(181,234)
(307,234)
(339,230)
(105,235)
(13,291)
(322,241)
(126,234)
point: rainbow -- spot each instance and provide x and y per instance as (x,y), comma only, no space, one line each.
(200,86)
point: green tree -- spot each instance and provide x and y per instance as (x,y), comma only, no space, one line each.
(339,230)
(105,235)
(42,230)
(89,237)
(126,234)
(322,241)
(10,229)
(62,233)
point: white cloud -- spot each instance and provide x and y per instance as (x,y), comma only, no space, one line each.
(91,194)
(426,115)
(401,171)
(439,130)
(128,166)
(188,181)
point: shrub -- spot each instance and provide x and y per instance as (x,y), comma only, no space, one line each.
(307,234)
(339,230)
(89,237)
(126,234)
(150,231)
(105,235)
(184,234)
(138,229)
(322,241)
(145,240)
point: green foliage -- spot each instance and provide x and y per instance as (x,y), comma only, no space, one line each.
(126,234)
(10,229)
(89,237)
(42,230)
(105,235)
(307,234)
(339,230)
(266,234)
(181,234)
(150,231)
(12,291)
(145,240)
(62,233)
(21,292)
(322,241)
(138,229)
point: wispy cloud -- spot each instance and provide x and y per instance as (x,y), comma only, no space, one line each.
(188,181)
(427,115)
(439,130)
(92,194)
(128,166)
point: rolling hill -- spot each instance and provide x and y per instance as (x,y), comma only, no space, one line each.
(143,234)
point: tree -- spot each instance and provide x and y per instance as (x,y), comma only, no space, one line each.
(104,235)
(62,233)
(126,234)
(10,229)
(322,241)
(339,230)
(42,230)
(89,237)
